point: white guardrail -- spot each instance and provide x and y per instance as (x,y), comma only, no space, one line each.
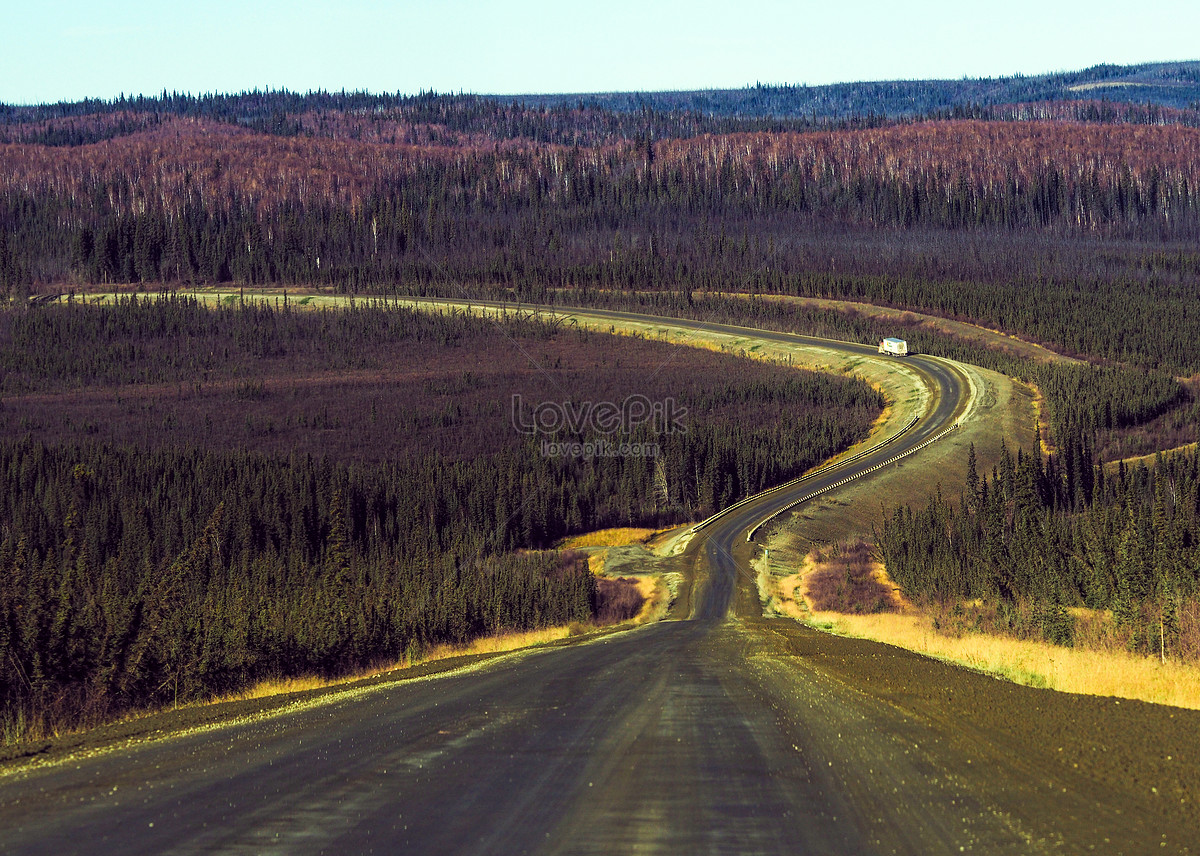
(793,482)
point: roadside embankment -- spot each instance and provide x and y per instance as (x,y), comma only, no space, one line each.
(789,577)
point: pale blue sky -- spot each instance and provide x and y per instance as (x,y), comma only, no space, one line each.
(68,49)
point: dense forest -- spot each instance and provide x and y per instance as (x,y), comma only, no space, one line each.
(1035,227)
(193,200)
(1032,219)
(193,558)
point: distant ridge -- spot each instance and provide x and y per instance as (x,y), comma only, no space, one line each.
(1165,84)
(1148,94)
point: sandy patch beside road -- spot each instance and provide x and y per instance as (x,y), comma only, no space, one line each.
(653,561)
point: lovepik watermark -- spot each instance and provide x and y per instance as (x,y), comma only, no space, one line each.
(598,449)
(598,417)
(554,420)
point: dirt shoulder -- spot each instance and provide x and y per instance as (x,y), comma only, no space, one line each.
(652,558)
(1143,757)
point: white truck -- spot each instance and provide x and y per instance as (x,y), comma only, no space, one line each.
(895,347)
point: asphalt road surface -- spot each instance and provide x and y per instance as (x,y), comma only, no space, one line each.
(716,731)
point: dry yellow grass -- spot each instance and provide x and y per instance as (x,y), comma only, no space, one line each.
(884,415)
(501,642)
(1039,664)
(1043,434)
(796,587)
(608,538)
(596,562)
(283,686)
(1148,460)
(655,599)
(783,597)
(1114,673)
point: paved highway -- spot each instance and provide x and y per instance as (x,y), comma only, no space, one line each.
(715,732)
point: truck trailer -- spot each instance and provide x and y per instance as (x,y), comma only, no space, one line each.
(895,347)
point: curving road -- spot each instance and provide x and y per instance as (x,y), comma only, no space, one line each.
(711,733)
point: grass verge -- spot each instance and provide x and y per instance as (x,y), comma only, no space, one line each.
(494,644)
(1037,664)
(608,538)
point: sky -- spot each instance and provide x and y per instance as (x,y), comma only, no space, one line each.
(66,50)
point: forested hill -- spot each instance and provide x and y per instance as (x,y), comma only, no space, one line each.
(1172,85)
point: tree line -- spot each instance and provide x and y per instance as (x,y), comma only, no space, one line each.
(1169,87)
